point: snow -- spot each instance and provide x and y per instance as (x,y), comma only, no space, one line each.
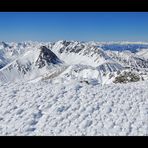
(73,108)
(17,60)
(143,53)
(80,72)
(76,96)
(24,68)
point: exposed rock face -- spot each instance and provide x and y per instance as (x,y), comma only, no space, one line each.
(4,44)
(127,77)
(46,56)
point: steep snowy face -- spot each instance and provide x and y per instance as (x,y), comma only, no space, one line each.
(4,48)
(3,60)
(32,64)
(109,67)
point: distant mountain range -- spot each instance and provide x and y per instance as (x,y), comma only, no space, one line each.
(101,62)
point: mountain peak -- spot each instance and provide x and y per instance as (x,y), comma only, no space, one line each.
(46,56)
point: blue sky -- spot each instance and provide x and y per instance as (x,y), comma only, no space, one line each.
(86,26)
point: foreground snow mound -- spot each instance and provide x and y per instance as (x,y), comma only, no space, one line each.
(73,108)
(80,72)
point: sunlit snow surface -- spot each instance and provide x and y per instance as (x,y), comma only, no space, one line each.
(58,107)
(76,96)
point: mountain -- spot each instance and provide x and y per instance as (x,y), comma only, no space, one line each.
(143,53)
(128,59)
(98,61)
(31,64)
(75,52)
(72,88)
(46,57)
(122,46)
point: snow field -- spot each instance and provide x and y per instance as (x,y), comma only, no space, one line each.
(73,108)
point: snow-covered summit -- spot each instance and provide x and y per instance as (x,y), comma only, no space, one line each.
(31,64)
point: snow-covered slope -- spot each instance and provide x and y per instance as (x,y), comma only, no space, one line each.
(73,108)
(73,88)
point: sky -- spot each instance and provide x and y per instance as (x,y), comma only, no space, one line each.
(81,26)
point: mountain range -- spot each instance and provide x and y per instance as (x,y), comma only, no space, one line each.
(99,62)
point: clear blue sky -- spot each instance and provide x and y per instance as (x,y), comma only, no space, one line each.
(86,26)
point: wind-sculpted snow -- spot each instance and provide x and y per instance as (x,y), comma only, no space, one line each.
(60,107)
